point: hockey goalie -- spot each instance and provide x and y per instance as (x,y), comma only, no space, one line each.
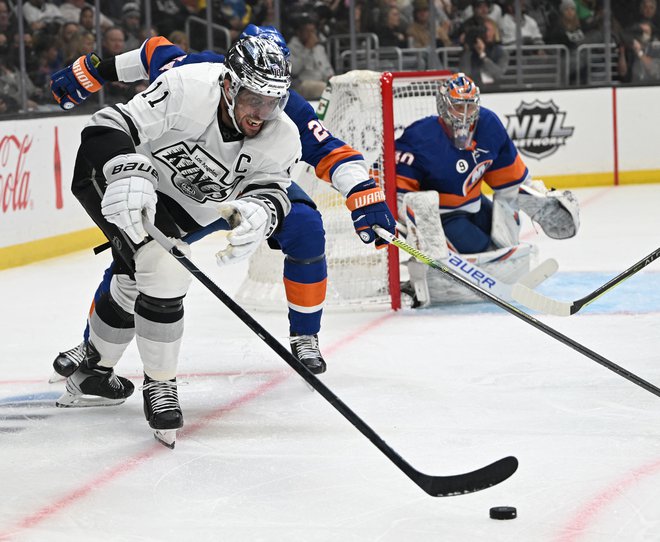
(442,162)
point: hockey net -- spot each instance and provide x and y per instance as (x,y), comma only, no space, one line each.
(368,110)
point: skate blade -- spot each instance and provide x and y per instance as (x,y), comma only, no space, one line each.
(166,437)
(70,400)
(56,377)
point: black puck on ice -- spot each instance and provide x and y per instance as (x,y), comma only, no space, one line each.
(503,512)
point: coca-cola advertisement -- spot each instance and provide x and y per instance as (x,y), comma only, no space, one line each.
(36,164)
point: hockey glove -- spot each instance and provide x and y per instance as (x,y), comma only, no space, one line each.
(366,201)
(249,223)
(131,190)
(72,85)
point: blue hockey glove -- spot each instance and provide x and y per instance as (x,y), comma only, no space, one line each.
(366,202)
(72,85)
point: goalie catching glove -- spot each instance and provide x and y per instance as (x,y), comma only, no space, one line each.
(131,190)
(366,201)
(250,224)
(557,212)
(75,83)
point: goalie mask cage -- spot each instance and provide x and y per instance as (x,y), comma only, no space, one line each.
(368,110)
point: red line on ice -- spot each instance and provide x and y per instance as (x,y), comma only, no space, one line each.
(588,513)
(132,463)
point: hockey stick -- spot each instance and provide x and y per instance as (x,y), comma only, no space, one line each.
(539,302)
(387,236)
(477,275)
(436,486)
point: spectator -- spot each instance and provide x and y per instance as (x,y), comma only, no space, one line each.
(378,15)
(645,59)
(586,12)
(180,39)
(10,86)
(65,39)
(475,23)
(391,32)
(418,31)
(86,21)
(70,10)
(648,12)
(7,104)
(49,57)
(494,11)
(113,44)
(42,16)
(531,35)
(7,20)
(82,43)
(310,66)
(568,31)
(130,24)
(168,16)
(484,59)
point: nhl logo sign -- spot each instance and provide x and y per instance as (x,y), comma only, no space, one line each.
(537,129)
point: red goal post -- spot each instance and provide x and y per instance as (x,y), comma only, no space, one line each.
(368,110)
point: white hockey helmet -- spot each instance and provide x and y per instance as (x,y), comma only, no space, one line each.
(258,65)
(458,107)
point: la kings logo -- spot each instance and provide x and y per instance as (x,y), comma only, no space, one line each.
(537,129)
(196,174)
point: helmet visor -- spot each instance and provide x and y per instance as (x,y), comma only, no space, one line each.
(259,106)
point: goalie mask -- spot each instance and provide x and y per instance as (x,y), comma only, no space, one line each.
(259,78)
(458,108)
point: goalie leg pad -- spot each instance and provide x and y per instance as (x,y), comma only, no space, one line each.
(421,215)
(507,264)
(558,213)
(505,228)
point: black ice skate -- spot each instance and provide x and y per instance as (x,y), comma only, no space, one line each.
(305,349)
(67,362)
(93,385)
(162,410)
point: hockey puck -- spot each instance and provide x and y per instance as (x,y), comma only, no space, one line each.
(503,512)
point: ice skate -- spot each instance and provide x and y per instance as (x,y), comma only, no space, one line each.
(67,362)
(93,385)
(305,348)
(162,410)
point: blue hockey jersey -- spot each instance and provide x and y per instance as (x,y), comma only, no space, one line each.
(427,160)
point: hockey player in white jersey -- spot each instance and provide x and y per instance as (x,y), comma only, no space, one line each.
(203,141)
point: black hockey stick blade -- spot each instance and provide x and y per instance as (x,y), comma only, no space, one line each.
(534,300)
(436,486)
(518,313)
(461,484)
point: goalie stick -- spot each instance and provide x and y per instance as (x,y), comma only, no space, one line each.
(402,245)
(436,486)
(472,272)
(525,295)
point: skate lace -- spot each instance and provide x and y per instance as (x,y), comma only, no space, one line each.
(163,395)
(77,353)
(307,346)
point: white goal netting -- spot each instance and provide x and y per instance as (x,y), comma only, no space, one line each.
(367,110)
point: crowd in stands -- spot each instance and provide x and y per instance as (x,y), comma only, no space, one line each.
(56,32)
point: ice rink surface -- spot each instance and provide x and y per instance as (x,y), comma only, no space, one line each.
(263,458)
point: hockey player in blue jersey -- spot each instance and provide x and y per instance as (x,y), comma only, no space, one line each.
(447,157)
(301,236)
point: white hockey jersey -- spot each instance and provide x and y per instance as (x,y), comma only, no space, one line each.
(175,122)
